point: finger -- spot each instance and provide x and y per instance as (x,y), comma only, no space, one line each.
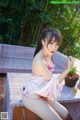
(70,57)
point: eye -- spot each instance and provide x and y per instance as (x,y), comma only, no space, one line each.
(57,44)
(51,42)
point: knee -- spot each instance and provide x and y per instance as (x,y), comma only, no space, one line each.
(65,114)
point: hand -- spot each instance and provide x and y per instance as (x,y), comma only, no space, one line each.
(70,62)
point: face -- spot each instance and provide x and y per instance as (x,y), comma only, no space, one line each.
(51,47)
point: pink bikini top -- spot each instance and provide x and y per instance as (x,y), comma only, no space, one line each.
(51,67)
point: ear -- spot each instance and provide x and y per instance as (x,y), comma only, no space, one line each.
(43,42)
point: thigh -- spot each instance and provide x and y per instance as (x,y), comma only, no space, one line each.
(41,108)
(60,109)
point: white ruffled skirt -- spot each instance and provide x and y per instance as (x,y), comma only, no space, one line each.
(46,88)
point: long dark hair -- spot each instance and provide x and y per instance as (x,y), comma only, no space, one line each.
(48,34)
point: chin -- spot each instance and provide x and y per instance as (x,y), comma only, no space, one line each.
(52,53)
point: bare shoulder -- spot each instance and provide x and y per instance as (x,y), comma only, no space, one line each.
(39,67)
(36,62)
(39,61)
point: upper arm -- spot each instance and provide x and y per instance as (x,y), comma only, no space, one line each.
(44,70)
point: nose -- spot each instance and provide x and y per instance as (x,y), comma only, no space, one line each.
(53,47)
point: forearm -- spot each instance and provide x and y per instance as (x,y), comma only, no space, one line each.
(63,75)
(69,66)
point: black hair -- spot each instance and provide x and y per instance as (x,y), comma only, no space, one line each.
(48,34)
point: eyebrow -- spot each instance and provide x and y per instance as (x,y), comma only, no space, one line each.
(53,41)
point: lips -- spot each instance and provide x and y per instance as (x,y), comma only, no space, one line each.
(52,51)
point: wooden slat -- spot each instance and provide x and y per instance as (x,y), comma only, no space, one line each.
(22,113)
(18,114)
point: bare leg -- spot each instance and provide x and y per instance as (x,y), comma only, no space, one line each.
(41,108)
(60,109)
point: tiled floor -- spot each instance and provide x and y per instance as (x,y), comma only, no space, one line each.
(2,94)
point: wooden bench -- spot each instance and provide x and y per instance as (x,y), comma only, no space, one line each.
(22,113)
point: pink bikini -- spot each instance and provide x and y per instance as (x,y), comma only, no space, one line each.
(41,87)
(51,68)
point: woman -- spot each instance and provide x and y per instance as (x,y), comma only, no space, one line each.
(42,88)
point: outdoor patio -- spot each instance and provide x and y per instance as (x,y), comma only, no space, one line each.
(16,65)
(21,25)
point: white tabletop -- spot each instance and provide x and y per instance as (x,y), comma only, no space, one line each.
(16,81)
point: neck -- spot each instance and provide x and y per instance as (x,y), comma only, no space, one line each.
(45,54)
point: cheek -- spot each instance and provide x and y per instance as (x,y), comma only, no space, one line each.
(49,47)
(57,47)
